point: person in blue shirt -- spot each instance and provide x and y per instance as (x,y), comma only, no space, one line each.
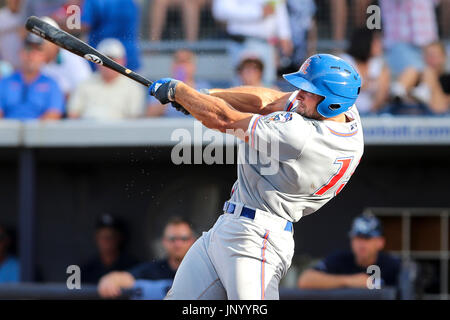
(348,269)
(118,19)
(27,93)
(9,265)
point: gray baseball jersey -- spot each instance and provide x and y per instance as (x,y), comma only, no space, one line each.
(300,163)
(290,167)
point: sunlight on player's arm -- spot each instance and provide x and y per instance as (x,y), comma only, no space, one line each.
(213,112)
(253,99)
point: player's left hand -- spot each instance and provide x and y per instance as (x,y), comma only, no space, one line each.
(164,90)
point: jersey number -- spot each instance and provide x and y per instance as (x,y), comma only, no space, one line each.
(344,164)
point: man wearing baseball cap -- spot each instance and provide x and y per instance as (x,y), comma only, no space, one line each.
(348,269)
(110,238)
(29,94)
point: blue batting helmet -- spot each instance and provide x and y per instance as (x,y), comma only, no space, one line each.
(330,77)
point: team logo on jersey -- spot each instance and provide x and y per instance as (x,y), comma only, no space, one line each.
(93,58)
(280,117)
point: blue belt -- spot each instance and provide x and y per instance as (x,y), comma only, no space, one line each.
(229,207)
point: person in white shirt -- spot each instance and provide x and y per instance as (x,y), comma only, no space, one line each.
(11,26)
(256,25)
(107,95)
(67,69)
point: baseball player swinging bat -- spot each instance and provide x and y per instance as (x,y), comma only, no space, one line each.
(316,137)
(64,40)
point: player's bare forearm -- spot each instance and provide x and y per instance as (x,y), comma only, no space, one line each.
(213,112)
(253,99)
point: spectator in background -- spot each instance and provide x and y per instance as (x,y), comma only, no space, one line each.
(348,269)
(304,39)
(63,66)
(408,25)
(183,69)
(11,30)
(435,79)
(118,19)
(41,8)
(110,238)
(258,26)
(430,87)
(177,238)
(303,29)
(190,10)
(445,18)
(28,94)
(339,13)
(250,71)
(365,53)
(9,265)
(107,95)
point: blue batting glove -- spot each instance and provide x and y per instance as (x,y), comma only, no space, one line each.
(164,89)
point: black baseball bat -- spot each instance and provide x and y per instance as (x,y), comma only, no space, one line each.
(67,41)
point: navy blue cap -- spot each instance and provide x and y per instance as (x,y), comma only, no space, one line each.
(366,226)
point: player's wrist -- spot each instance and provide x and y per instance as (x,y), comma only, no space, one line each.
(171,89)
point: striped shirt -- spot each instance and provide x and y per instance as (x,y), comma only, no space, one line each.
(409,21)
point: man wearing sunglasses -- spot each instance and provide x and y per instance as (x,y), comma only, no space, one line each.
(153,279)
